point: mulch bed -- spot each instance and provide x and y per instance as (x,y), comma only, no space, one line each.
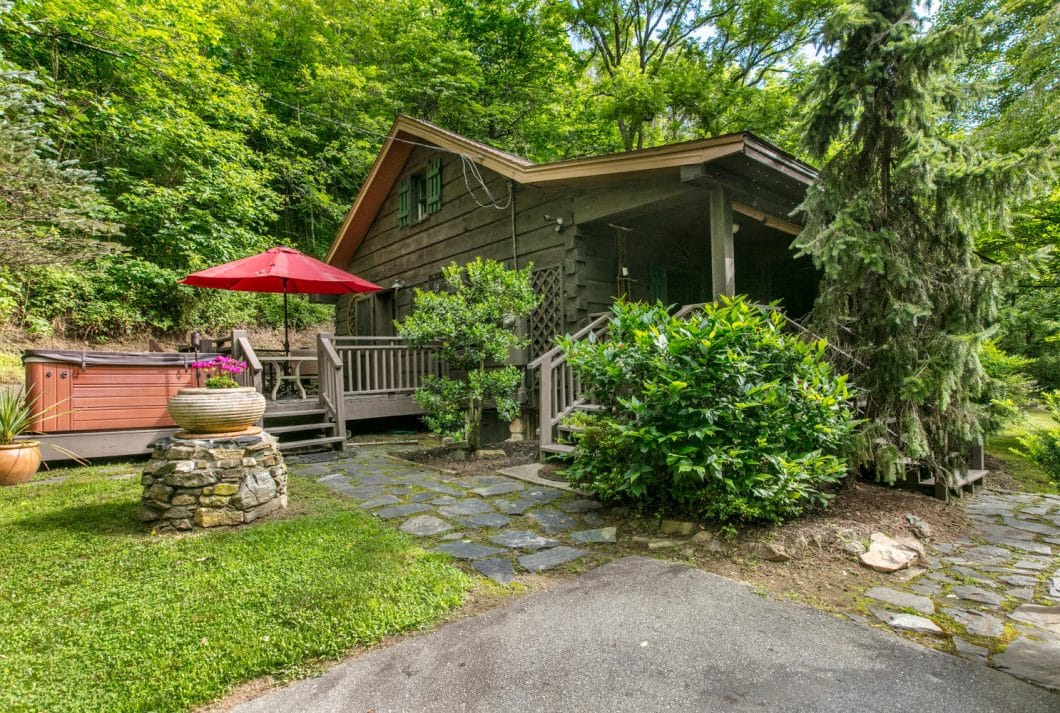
(454,457)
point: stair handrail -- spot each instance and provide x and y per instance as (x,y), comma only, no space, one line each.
(580,334)
(241,349)
(332,383)
(550,413)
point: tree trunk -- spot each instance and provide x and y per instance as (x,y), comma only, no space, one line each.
(473,425)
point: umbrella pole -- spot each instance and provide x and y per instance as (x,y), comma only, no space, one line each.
(286,340)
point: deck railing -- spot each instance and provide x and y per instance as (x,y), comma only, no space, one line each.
(559,393)
(385,365)
(332,391)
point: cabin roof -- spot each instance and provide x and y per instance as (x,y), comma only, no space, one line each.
(407,133)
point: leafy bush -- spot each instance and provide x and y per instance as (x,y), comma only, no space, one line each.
(1043,445)
(722,415)
(472,323)
(1008,388)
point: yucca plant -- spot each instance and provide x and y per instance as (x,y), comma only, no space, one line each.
(16,414)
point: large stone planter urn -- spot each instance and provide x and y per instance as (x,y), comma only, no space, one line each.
(18,462)
(216,410)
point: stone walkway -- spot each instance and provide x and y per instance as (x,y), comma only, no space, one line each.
(997,594)
(499,525)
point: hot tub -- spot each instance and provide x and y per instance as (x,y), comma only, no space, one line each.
(100,393)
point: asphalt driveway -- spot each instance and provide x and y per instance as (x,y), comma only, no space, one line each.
(644,635)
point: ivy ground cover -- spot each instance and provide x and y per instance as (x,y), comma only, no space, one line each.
(96,613)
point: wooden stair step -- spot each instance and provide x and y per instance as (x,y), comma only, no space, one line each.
(310,442)
(294,413)
(322,425)
(557,448)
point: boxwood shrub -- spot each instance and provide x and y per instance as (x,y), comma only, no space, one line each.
(722,416)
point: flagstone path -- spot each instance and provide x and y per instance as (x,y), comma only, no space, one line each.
(499,525)
(996,594)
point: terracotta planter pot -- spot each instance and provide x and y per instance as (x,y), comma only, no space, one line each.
(216,410)
(18,462)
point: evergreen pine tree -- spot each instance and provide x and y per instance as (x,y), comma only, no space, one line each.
(890,225)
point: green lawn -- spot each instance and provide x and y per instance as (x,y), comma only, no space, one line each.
(1029,474)
(97,614)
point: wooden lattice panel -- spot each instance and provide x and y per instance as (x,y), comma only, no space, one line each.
(547,320)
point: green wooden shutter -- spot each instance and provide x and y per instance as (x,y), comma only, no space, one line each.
(403,202)
(434,185)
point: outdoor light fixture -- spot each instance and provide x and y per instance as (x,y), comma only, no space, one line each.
(398,284)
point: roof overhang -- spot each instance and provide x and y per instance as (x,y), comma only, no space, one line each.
(407,133)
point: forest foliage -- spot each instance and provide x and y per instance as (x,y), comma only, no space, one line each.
(163,137)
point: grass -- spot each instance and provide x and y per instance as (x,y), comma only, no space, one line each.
(98,614)
(1029,474)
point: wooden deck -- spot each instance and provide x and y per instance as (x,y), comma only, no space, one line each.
(311,395)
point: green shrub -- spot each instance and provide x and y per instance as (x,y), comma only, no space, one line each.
(472,324)
(1042,445)
(1008,388)
(722,416)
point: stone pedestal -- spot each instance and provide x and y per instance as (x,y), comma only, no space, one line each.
(209,482)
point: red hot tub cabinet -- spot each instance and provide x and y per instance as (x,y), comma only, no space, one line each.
(105,403)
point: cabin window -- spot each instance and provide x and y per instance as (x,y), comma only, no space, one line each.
(420,194)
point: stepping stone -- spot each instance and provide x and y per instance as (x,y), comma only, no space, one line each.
(469,506)
(970,651)
(977,623)
(425,525)
(944,547)
(453,536)
(972,575)
(605,534)
(374,480)
(1031,526)
(498,489)
(552,521)
(442,489)
(997,532)
(420,497)
(547,559)
(514,507)
(479,481)
(467,550)
(1020,580)
(1026,546)
(593,519)
(1035,660)
(523,540)
(1047,618)
(486,519)
(928,589)
(904,600)
(1034,565)
(380,502)
(1024,593)
(499,570)
(333,478)
(907,622)
(444,500)
(987,554)
(363,492)
(1036,510)
(1053,586)
(580,505)
(400,510)
(975,594)
(542,495)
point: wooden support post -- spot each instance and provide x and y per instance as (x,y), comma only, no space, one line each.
(722,252)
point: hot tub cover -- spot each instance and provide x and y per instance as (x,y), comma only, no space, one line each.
(84,358)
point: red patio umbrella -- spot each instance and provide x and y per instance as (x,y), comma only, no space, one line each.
(280,270)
